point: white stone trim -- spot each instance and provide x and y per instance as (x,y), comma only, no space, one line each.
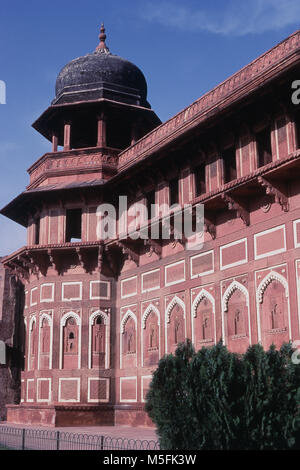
(122,283)
(273,252)
(99,297)
(151,288)
(295,223)
(60,380)
(178,280)
(205,273)
(33,303)
(43,400)
(29,400)
(126,400)
(96,400)
(64,299)
(236,263)
(52,284)
(107,335)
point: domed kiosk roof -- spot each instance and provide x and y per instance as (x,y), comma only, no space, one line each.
(101,75)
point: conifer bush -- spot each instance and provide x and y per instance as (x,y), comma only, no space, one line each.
(214,399)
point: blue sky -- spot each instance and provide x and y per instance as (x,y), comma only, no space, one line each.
(183,48)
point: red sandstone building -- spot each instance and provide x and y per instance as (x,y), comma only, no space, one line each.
(100,313)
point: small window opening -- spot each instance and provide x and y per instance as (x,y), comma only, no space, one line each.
(150,202)
(73,225)
(37,226)
(264,150)
(200,184)
(174,191)
(229,164)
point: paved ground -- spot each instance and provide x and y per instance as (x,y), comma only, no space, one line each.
(112,431)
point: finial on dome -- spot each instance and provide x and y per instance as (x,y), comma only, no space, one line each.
(102,47)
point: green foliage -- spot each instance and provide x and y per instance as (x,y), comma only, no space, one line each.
(215,399)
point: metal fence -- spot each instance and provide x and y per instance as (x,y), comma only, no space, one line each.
(38,439)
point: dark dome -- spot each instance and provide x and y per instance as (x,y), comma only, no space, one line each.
(101,74)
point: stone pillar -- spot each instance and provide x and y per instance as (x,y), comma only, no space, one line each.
(101,137)
(54,142)
(67,136)
(134,134)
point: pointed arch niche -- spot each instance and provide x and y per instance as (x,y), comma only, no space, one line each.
(128,340)
(150,336)
(175,324)
(203,320)
(70,341)
(236,318)
(45,342)
(273,310)
(99,340)
(32,344)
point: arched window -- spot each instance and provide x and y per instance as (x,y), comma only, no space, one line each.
(98,342)
(45,343)
(274,315)
(150,337)
(236,320)
(128,341)
(70,349)
(176,327)
(32,345)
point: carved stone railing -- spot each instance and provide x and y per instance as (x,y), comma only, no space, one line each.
(242,79)
(78,160)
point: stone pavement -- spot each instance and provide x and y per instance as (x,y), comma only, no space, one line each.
(127,432)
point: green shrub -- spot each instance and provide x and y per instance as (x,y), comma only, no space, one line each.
(215,399)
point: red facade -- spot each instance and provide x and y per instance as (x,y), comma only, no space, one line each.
(100,313)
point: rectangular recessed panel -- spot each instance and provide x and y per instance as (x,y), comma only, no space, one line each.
(98,389)
(128,389)
(151,280)
(175,273)
(47,291)
(129,287)
(202,264)
(71,291)
(233,254)
(69,389)
(99,290)
(269,242)
(34,296)
(30,390)
(43,389)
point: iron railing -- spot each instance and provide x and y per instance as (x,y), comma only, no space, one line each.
(39,439)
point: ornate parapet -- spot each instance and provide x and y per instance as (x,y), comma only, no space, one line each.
(57,164)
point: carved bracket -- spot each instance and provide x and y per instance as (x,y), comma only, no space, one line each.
(280,198)
(131,255)
(154,247)
(232,204)
(210,228)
